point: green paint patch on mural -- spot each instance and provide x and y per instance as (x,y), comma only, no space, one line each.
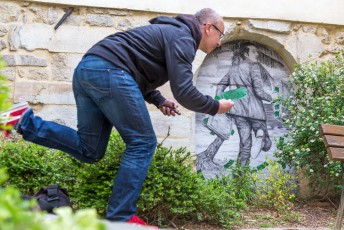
(205,120)
(277,107)
(276,113)
(228,164)
(277,89)
(232,132)
(262,166)
(234,94)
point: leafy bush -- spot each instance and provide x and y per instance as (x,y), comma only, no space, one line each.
(172,192)
(16,214)
(32,166)
(221,200)
(4,90)
(98,177)
(275,189)
(317,97)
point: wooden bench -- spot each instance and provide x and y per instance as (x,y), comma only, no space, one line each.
(333,137)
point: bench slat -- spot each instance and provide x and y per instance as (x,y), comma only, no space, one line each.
(336,154)
(331,129)
(333,141)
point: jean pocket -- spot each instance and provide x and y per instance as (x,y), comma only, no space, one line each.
(96,82)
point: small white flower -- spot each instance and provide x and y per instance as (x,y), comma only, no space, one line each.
(311,170)
(325,166)
(337,174)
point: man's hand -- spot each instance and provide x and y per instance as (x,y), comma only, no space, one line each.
(169,107)
(225,106)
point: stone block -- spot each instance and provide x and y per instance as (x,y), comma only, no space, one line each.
(108,11)
(24,60)
(29,60)
(323,34)
(309,29)
(305,46)
(272,26)
(36,74)
(3,30)
(65,115)
(339,38)
(176,143)
(178,126)
(124,24)
(9,12)
(25,37)
(44,92)
(2,45)
(8,72)
(9,60)
(70,39)
(74,20)
(47,15)
(63,66)
(99,20)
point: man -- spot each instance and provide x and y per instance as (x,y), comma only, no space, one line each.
(111,84)
(248,113)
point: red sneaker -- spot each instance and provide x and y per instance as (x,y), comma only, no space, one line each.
(137,220)
(12,116)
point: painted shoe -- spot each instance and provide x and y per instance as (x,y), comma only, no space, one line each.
(11,117)
(139,221)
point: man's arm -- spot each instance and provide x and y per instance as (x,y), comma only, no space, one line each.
(179,56)
(154,98)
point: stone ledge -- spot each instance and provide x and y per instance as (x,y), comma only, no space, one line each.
(266,9)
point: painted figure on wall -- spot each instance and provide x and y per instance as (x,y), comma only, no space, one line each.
(249,115)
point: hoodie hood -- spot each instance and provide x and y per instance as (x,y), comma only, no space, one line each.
(189,20)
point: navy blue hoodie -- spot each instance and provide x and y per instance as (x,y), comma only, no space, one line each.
(160,52)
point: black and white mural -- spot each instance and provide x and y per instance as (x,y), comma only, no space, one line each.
(252,75)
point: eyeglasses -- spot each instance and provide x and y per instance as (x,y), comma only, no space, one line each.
(221,33)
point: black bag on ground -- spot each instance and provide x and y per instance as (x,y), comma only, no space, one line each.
(50,197)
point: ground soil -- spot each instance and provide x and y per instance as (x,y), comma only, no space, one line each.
(313,214)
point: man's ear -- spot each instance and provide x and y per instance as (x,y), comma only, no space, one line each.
(207,29)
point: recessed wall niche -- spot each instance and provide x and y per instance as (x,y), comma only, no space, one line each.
(253,75)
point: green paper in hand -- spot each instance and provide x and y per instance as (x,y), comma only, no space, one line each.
(234,94)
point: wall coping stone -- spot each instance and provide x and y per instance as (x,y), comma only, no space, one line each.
(312,11)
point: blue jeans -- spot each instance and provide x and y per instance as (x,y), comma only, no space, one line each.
(106,97)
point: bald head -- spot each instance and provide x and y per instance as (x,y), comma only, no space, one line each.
(212,27)
(208,15)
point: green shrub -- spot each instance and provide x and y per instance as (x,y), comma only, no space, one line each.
(170,188)
(317,97)
(16,214)
(4,90)
(221,201)
(172,192)
(32,166)
(94,182)
(275,189)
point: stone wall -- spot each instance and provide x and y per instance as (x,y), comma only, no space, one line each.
(41,60)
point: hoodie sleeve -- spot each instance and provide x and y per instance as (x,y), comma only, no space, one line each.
(179,56)
(155,98)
